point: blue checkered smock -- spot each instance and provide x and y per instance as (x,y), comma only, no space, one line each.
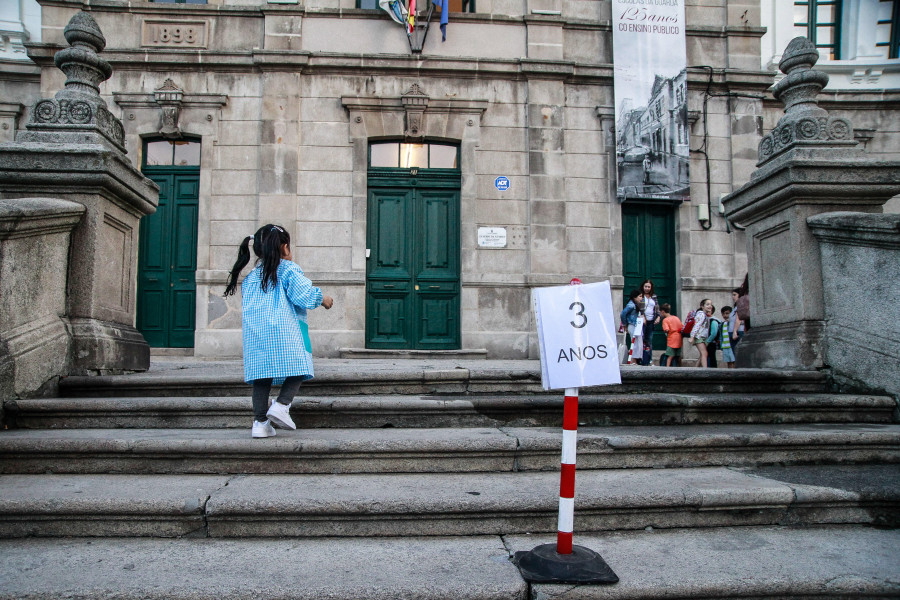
(273,342)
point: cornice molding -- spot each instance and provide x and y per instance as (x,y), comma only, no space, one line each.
(189,101)
(303,62)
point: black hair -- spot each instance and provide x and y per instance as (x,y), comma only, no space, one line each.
(745,287)
(267,243)
(724,308)
(635,294)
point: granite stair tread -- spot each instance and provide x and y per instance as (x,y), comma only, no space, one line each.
(465,449)
(742,562)
(443,503)
(352,377)
(455,410)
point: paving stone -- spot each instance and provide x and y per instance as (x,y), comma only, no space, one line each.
(754,562)
(475,568)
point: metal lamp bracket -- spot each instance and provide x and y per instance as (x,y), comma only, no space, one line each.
(420,30)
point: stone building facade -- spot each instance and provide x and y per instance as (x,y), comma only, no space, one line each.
(249,112)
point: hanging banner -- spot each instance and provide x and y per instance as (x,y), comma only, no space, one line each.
(650,69)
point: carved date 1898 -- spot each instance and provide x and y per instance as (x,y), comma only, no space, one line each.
(190,34)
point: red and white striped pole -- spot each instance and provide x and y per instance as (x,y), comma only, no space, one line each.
(567,473)
(565,563)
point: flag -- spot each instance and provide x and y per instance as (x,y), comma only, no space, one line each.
(411,21)
(445,9)
(395,9)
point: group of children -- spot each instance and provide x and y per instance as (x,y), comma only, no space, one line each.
(701,328)
(704,332)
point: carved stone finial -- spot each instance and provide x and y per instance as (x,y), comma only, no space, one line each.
(85,71)
(804,123)
(802,84)
(79,104)
(415,102)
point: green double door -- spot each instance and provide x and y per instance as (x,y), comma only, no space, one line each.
(648,250)
(168,260)
(412,271)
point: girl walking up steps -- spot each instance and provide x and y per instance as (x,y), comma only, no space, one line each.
(275,296)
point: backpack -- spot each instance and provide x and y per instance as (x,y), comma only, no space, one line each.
(715,330)
(688,325)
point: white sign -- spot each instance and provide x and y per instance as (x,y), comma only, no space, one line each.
(492,237)
(576,335)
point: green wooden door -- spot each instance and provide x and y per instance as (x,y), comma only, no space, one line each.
(168,260)
(648,251)
(412,274)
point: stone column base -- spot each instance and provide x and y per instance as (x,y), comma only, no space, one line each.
(107,348)
(799,346)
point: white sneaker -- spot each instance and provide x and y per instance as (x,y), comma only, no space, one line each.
(280,416)
(262,430)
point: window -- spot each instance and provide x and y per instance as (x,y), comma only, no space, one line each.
(820,21)
(406,156)
(887,32)
(172,153)
(179,1)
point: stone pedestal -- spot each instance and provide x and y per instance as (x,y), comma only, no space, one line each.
(809,164)
(73,149)
(34,247)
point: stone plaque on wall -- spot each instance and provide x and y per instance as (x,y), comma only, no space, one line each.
(176,34)
(492,237)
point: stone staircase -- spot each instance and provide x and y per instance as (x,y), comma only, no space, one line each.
(419,480)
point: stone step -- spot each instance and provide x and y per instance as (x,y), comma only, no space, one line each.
(447,450)
(440,377)
(430,504)
(455,411)
(744,562)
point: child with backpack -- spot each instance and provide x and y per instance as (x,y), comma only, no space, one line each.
(671,326)
(712,341)
(725,339)
(699,331)
(274,298)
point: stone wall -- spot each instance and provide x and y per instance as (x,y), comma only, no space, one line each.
(860,271)
(34,259)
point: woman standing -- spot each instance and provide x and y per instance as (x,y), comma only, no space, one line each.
(631,317)
(651,315)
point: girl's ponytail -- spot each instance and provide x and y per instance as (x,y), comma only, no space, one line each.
(272,239)
(241,262)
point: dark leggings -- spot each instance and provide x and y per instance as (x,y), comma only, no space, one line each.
(261,389)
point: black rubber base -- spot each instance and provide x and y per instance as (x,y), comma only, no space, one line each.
(542,564)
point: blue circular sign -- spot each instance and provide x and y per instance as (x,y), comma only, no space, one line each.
(501,183)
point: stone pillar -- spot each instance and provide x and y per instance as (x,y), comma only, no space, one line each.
(809,164)
(73,149)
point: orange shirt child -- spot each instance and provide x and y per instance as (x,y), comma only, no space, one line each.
(672,327)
